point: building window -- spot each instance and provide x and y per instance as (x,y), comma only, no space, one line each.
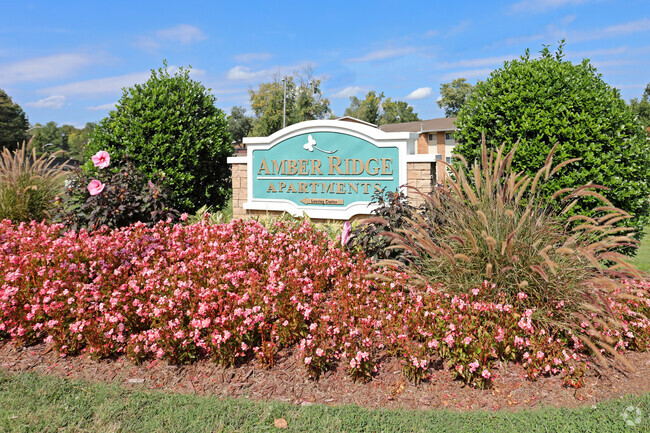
(450,139)
(432,138)
(448,159)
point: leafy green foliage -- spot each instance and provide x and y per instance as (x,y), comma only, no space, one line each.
(13,122)
(641,108)
(304,101)
(49,138)
(453,96)
(366,109)
(170,126)
(393,213)
(29,185)
(545,101)
(396,112)
(127,197)
(239,124)
(77,139)
(374,109)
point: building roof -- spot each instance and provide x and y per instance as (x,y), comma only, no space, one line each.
(355,120)
(431,125)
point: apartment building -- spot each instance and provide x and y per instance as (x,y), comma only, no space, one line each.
(436,136)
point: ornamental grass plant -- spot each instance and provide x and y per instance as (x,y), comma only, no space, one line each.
(29,185)
(490,224)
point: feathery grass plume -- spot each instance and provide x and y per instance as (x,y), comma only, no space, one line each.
(29,185)
(497,228)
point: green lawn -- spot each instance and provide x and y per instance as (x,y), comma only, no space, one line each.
(32,403)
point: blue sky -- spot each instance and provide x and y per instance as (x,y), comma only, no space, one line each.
(67,61)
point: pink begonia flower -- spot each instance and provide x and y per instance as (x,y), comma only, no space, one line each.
(95,187)
(345,235)
(101,159)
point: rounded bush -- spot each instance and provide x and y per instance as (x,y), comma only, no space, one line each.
(548,100)
(170,127)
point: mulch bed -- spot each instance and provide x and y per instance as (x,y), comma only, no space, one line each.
(287,381)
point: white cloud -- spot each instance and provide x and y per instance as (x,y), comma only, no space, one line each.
(458,28)
(642,25)
(553,32)
(54,101)
(473,63)
(568,19)
(99,86)
(384,54)
(543,5)
(183,34)
(252,57)
(597,52)
(43,68)
(348,92)
(468,74)
(245,73)
(103,107)
(421,93)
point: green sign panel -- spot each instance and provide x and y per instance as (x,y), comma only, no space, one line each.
(324,169)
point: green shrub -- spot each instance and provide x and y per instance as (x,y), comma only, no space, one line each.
(373,235)
(28,185)
(170,125)
(548,100)
(498,227)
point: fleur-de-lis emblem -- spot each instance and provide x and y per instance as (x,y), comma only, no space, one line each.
(311,145)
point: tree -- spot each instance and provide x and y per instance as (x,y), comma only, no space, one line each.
(374,109)
(304,101)
(641,108)
(366,109)
(239,124)
(77,139)
(49,138)
(396,112)
(170,126)
(13,123)
(454,95)
(546,101)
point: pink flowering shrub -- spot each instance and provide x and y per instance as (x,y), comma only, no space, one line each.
(116,194)
(241,291)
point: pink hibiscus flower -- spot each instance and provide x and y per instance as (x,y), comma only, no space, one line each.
(101,159)
(95,187)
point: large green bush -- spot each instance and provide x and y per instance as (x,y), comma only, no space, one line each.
(169,126)
(548,100)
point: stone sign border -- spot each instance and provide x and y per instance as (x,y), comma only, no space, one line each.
(414,170)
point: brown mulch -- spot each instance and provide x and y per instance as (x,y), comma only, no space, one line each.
(287,382)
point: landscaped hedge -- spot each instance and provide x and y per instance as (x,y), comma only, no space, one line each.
(238,291)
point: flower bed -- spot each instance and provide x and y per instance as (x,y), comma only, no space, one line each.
(240,291)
